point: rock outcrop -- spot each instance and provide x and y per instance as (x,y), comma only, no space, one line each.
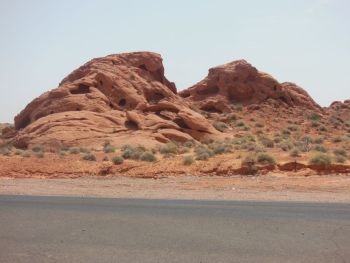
(121,98)
(239,82)
(126,99)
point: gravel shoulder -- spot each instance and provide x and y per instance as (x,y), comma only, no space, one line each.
(262,188)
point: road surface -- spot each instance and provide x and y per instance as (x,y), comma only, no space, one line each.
(71,229)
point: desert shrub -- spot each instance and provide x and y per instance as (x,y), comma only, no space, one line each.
(307,139)
(320,158)
(339,159)
(168,148)
(347,123)
(89,157)
(187,160)
(240,124)
(37,148)
(286,132)
(130,152)
(5,151)
(203,153)
(335,121)
(318,140)
(267,142)
(231,117)
(314,116)
(61,153)
(286,146)
(84,150)
(265,158)
(220,126)
(322,128)
(259,125)
(74,150)
(189,144)
(320,148)
(337,139)
(18,152)
(249,162)
(148,157)
(117,159)
(105,159)
(220,148)
(108,148)
(293,128)
(340,152)
(294,153)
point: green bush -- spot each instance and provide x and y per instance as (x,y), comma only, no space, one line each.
(37,148)
(267,142)
(220,126)
(338,139)
(203,153)
(117,160)
(89,157)
(320,148)
(169,148)
(187,160)
(320,159)
(148,157)
(265,158)
(74,150)
(314,116)
(249,162)
(220,148)
(84,150)
(108,148)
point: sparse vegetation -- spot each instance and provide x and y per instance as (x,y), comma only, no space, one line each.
(39,154)
(340,159)
(203,153)
(267,142)
(37,148)
(89,157)
(240,124)
(320,159)
(189,144)
(117,160)
(148,157)
(220,126)
(108,148)
(338,139)
(320,148)
(295,153)
(169,148)
(293,128)
(265,158)
(130,152)
(249,162)
(340,152)
(220,148)
(74,150)
(314,116)
(187,160)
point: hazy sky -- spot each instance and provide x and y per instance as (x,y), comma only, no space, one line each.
(306,42)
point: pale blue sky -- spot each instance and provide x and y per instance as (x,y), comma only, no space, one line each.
(306,42)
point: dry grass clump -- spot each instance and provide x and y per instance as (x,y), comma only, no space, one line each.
(117,160)
(265,158)
(89,157)
(320,159)
(188,160)
(148,156)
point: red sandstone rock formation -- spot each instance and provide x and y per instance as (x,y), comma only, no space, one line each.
(240,82)
(121,98)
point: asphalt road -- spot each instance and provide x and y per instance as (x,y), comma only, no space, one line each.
(64,229)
